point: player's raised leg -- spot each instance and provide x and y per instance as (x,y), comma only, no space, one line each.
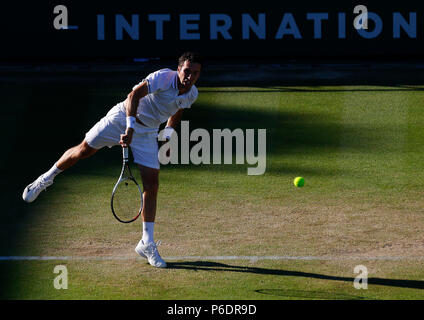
(68,159)
(147,248)
(73,155)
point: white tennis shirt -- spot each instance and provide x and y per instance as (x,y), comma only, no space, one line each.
(163,99)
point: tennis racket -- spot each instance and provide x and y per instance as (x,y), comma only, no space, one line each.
(127,198)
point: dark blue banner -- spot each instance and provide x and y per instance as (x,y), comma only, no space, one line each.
(148,29)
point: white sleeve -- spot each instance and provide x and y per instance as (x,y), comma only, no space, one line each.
(159,80)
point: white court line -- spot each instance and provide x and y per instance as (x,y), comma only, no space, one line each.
(206,258)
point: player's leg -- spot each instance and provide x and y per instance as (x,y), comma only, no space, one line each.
(73,155)
(68,159)
(150,180)
(147,248)
(145,152)
(106,132)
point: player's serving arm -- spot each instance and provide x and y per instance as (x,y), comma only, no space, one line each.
(131,105)
(160,97)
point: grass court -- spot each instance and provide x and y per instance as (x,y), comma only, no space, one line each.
(224,234)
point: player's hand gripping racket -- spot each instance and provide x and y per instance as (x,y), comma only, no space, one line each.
(127,197)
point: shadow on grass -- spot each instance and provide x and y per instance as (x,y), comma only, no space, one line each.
(304,294)
(50,128)
(216,266)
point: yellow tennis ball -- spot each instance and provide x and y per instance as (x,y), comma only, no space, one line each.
(299,182)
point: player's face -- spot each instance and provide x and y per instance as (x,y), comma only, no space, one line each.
(188,73)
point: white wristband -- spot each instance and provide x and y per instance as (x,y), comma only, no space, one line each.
(130,122)
(167,132)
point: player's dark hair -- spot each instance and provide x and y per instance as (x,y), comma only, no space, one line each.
(192,57)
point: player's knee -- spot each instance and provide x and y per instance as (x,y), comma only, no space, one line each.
(150,179)
(85,151)
(151,186)
(151,183)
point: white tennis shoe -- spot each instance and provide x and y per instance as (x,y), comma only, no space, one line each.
(150,252)
(32,190)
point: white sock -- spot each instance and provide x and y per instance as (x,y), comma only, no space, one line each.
(53,172)
(148,228)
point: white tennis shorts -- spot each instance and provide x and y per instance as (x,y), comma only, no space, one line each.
(107,132)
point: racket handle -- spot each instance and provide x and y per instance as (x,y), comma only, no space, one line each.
(125,154)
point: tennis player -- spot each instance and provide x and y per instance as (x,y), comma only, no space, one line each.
(160,97)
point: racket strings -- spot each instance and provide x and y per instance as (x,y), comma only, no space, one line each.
(127,200)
